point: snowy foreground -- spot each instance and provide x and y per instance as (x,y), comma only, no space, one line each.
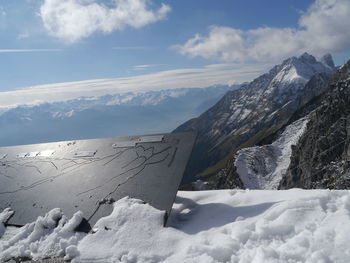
(207,226)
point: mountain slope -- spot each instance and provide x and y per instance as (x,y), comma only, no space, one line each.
(321,159)
(106,116)
(245,116)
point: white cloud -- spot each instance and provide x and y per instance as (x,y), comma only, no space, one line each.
(170,79)
(143,67)
(73,20)
(323,28)
(147,66)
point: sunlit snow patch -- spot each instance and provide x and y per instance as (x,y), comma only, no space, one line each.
(262,167)
(234,226)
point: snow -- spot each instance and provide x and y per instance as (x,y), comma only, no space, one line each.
(238,114)
(49,236)
(262,167)
(289,75)
(199,185)
(4,217)
(206,226)
(294,73)
(245,113)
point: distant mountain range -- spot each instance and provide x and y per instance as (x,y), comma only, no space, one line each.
(106,116)
(252,114)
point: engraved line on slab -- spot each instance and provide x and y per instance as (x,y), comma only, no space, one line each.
(142,166)
(172,157)
(50,179)
(129,178)
(118,154)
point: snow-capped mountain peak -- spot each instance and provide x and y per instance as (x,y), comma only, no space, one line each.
(257,109)
(288,74)
(301,69)
(289,77)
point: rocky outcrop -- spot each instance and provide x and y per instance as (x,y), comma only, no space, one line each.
(321,157)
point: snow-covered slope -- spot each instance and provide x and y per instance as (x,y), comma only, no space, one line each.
(207,226)
(106,116)
(262,167)
(245,116)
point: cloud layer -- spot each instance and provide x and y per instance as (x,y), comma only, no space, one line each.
(323,28)
(179,78)
(73,20)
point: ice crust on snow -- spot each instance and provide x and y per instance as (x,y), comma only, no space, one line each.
(262,167)
(207,226)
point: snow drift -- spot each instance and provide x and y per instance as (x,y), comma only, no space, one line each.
(262,167)
(206,226)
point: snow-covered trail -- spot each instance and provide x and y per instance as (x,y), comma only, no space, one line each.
(213,226)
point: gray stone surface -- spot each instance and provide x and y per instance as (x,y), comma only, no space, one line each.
(88,175)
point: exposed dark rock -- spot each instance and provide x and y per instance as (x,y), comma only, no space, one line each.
(321,157)
(228,178)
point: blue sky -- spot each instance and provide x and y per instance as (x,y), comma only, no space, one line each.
(55,41)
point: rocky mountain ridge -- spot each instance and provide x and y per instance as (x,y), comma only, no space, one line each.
(321,158)
(243,117)
(316,155)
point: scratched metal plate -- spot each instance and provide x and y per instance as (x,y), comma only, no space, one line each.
(82,175)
